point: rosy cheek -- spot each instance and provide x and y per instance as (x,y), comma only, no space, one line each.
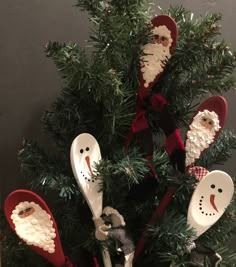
(165,43)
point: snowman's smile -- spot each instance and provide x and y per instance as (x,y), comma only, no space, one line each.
(212,200)
(201,205)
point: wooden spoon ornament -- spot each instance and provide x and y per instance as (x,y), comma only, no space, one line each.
(206,125)
(156,54)
(85,153)
(209,200)
(32,220)
(211,197)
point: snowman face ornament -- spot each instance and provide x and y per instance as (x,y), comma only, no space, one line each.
(85,153)
(209,201)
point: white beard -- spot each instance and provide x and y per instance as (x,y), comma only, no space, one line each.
(198,139)
(153,61)
(35,229)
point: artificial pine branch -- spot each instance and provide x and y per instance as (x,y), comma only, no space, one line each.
(49,173)
(189,72)
(98,97)
(71,62)
(220,151)
(169,241)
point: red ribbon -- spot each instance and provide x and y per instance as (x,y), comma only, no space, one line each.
(174,141)
(156,102)
(68,263)
(95,261)
(157,214)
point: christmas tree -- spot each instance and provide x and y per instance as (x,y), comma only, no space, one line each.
(99,97)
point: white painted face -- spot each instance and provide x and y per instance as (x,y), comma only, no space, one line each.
(85,153)
(209,201)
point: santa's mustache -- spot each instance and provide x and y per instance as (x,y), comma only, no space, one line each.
(153,61)
(155,51)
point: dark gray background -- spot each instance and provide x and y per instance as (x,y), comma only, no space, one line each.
(29,82)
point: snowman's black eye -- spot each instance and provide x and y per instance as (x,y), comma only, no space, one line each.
(81,151)
(87,149)
(213,186)
(220,190)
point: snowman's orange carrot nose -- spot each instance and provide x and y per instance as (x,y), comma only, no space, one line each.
(212,200)
(87,158)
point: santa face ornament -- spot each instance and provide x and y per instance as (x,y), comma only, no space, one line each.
(85,153)
(156,54)
(209,201)
(201,134)
(205,127)
(34,225)
(31,219)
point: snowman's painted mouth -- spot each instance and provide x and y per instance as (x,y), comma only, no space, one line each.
(87,178)
(201,206)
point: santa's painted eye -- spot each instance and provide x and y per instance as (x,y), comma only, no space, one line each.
(210,122)
(21,212)
(156,36)
(213,186)
(28,210)
(81,151)
(204,119)
(163,38)
(87,149)
(220,190)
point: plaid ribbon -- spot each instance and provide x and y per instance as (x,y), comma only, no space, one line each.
(198,171)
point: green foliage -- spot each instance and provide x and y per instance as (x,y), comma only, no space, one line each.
(98,97)
(174,238)
(220,151)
